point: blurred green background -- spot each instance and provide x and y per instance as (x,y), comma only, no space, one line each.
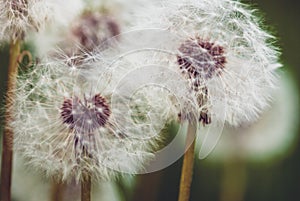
(277,180)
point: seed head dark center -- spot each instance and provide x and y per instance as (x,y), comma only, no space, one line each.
(85,115)
(200,59)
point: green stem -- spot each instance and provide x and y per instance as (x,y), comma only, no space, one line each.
(7,147)
(188,164)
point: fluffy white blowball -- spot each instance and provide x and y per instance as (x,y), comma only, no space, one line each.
(223,52)
(18,17)
(94,22)
(67,121)
(87,31)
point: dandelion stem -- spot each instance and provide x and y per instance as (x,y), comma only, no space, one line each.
(188,164)
(7,147)
(57,191)
(86,185)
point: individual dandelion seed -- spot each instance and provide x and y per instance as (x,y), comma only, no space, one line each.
(65,125)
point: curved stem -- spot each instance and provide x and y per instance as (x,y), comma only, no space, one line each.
(188,164)
(7,147)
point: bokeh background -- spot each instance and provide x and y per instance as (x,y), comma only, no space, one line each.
(233,179)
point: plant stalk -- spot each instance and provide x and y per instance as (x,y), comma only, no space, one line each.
(188,164)
(7,147)
(57,191)
(86,186)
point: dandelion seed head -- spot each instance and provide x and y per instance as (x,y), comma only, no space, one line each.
(65,123)
(84,34)
(222,49)
(92,29)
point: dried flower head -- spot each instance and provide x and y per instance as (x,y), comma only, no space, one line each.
(65,123)
(221,49)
